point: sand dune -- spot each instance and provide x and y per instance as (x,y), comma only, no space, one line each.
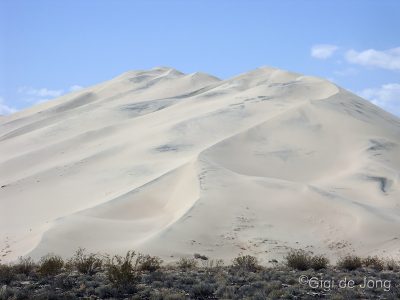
(174,164)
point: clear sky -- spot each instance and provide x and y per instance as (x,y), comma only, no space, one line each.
(49,47)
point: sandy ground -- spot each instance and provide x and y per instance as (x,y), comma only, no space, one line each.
(173,164)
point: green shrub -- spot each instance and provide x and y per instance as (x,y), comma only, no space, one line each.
(50,265)
(185,263)
(374,262)
(246,263)
(85,263)
(149,263)
(350,262)
(122,271)
(298,259)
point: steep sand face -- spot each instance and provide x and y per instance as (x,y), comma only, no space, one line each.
(173,164)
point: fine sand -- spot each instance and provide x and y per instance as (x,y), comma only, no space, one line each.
(173,164)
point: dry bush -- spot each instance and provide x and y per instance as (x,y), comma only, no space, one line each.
(149,263)
(298,259)
(122,270)
(374,262)
(302,260)
(246,263)
(319,262)
(167,294)
(199,256)
(392,265)
(6,274)
(186,263)
(212,264)
(25,265)
(85,263)
(350,262)
(202,290)
(50,265)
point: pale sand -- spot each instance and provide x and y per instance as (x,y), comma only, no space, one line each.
(173,164)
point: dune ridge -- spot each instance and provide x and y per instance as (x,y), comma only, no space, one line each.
(174,164)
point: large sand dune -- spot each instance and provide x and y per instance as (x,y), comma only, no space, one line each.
(173,164)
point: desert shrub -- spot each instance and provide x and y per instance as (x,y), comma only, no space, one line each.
(272,285)
(186,263)
(199,256)
(7,292)
(64,281)
(392,265)
(259,295)
(50,265)
(246,290)
(337,297)
(319,262)
(212,264)
(225,292)
(202,290)
(25,265)
(105,291)
(122,270)
(374,262)
(154,276)
(298,259)
(16,293)
(246,263)
(301,260)
(275,294)
(6,274)
(175,296)
(149,263)
(166,294)
(350,262)
(85,263)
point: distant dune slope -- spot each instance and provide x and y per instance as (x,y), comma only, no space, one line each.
(174,164)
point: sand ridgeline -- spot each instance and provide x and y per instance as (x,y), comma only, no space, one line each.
(173,164)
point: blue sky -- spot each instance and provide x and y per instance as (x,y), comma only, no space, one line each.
(48,48)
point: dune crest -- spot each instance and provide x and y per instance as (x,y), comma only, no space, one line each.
(174,164)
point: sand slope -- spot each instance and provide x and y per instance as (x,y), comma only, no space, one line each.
(173,164)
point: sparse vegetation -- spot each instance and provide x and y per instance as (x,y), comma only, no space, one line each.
(298,260)
(212,265)
(246,263)
(85,263)
(302,260)
(137,276)
(25,265)
(392,265)
(350,262)
(319,262)
(50,265)
(199,256)
(374,262)
(7,274)
(122,271)
(186,263)
(149,263)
